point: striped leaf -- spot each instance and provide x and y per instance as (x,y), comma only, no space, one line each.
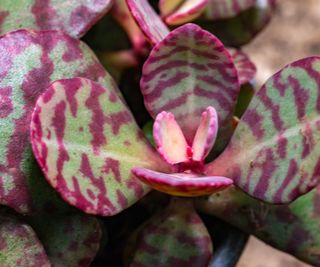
(182,184)
(30,61)
(274,153)
(86,142)
(187,72)
(19,245)
(291,228)
(74,17)
(186,12)
(223,9)
(175,236)
(148,20)
(245,67)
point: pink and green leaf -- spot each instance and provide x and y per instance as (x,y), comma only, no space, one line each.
(291,228)
(186,12)
(30,60)
(274,152)
(182,184)
(74,17)
(175,236)
(148,20)
(223,9)
(245,67)
(187,72)
(86,142)
(19,245)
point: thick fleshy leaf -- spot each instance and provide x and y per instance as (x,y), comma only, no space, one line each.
(206,134)
(175,236)
(19,245)
(30,61)
(187,72)
(274,153)
(182,184)
(69,240)
(245,67)
(86,142)
(223,9)
(187,11)
(169,139)
(74,17)
(148,20)
(167,7)
(291,228)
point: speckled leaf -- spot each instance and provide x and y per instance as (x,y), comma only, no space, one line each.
(86,142)
(29,62)
(74,17)
(223,9)
(187,72)
(148,20)
(245,67)
(175,236)
(291,228)
(70,240)
(186,12)
(182,184)
(274,154)
(19,245)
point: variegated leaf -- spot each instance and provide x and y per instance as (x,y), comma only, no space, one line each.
(175,236)
(187,72)
(30,61)
(291,228)
(19,245)
(274,154)
(86,142)
(148,20)
(74,17)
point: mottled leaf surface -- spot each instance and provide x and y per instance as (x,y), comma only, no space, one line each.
(291,228)
(86,142)
(148,20)
(245,67)
(175,236)
(19,245)
(74,17)
(187,72)
(274,153)
(223,9)
(30,61)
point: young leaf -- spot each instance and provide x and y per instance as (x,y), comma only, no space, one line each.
(274,153)
(182,184)
(86,142)
(148,20)
(187,72)
(74,17)
(187,11)
(291,228)
(174,237)
(29,62)
(223,9)
(19,245)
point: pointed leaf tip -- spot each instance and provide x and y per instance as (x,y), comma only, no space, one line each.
(182,184)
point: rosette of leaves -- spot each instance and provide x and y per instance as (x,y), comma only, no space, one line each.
(92,152)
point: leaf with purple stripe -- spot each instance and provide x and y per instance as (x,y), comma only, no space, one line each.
(274,153)
(74,17)
(223,9)
(148,20)
(175,236)
(19,245)
(30,61)
(86,142)
(187,72)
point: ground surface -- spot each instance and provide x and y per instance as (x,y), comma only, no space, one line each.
(293,33)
